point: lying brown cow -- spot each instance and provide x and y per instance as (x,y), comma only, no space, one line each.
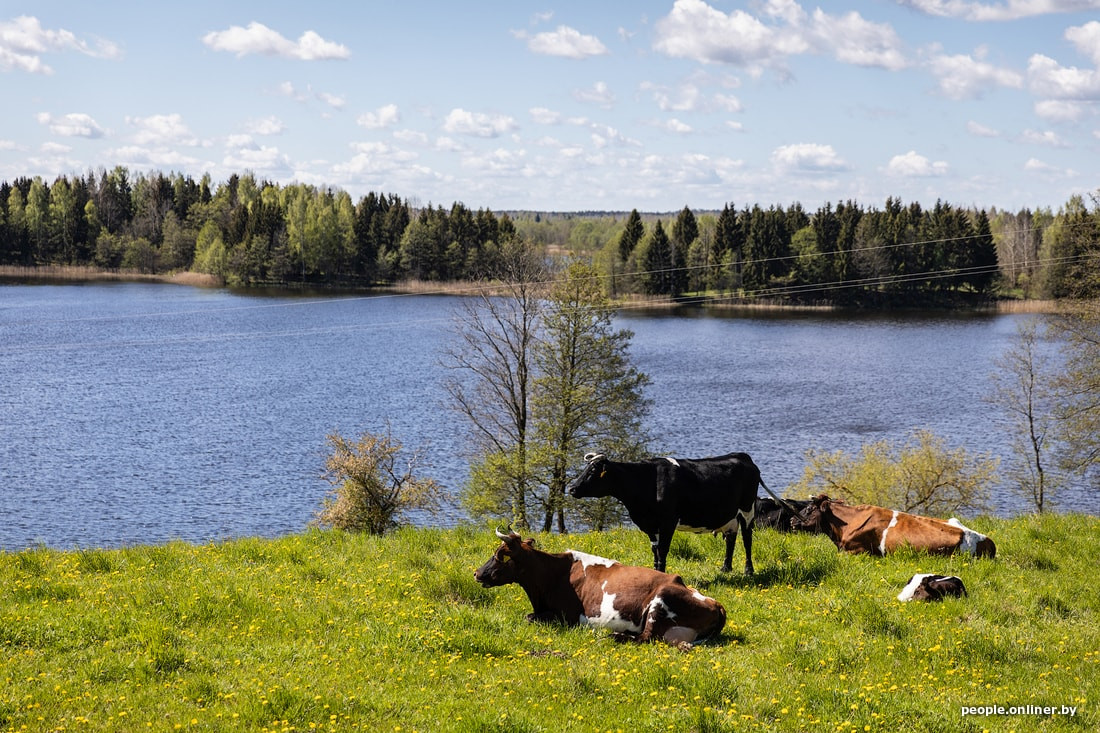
(874,529)
(638,604)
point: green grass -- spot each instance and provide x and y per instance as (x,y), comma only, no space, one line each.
(330,631)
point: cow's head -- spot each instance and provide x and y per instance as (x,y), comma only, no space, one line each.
(814,517)
(507,563)
(593,479)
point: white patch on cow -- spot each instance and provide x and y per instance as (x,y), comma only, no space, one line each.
(749,514)
(970,538)
(608,617)
(585,559)
(882,542)
(914,583)
(673,461)
(657,605)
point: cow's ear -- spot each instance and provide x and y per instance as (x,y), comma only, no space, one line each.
(529,542)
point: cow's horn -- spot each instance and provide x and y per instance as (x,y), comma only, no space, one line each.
(589,457)
(501,534)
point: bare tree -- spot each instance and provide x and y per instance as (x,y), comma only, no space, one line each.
(492,376)
(1022,388)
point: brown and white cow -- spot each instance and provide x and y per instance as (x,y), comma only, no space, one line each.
(877,530)
(637,604)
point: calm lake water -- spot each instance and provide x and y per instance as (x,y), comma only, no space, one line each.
(141,413)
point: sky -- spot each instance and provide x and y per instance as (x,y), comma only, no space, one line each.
(568,105)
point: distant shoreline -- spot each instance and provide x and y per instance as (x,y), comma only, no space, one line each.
(80,273)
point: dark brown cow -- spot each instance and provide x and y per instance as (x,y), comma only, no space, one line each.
(876,530)
(637,604)
(932,587)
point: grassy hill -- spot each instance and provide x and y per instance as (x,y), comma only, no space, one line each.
(330,631)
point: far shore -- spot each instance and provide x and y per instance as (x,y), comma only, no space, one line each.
(79,273)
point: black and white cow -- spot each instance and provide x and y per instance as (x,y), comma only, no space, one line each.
(662,495)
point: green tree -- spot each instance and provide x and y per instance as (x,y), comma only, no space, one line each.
(658,264)
(586,393)
(1077,385)
(374,488)
(632,234)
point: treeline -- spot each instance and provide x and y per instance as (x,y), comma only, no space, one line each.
(257,232)
(245,231)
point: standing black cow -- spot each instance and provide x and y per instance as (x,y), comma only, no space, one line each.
(693,494)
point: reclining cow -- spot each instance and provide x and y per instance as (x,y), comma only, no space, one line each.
(637,604)
(662,495)
(873,529)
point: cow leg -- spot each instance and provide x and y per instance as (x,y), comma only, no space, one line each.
(730,536)
(658,558)
(746,535)
(661,543)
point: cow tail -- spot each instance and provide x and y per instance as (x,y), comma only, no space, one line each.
(779,499)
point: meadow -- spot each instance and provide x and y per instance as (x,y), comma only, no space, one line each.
(326,631)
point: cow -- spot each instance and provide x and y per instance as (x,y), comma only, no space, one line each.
(777,515)
(636,604)
(661,495)
(932,587)
(865,528)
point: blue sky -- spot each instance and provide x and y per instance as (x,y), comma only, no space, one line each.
(648,104)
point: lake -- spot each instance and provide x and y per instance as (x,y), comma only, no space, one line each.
(141,413)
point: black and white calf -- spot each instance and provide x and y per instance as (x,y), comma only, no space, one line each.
(932,587)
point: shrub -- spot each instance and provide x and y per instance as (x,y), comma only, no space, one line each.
(921,476)
(372,491)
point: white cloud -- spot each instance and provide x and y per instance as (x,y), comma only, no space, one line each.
(335,101)
(599,93)
(1043,137)
(544,116)
(566,42)
(385,116)
(1087,39)
(855,40)
(162,130)
(55,148)
(23,40)
(913,165)
(1060,110)
(1049,79)
(257,38)
(75,124)
(695,30)
(808,157)
(675,125)
(256,158)
(270,125)
(1034,165)
(135,156)
(477,124)
(1010,10)
(413,137)
(976,128)
(964,77)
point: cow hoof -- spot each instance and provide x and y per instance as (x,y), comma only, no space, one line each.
(726,569)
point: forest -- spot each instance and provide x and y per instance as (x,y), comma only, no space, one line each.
(249,232)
